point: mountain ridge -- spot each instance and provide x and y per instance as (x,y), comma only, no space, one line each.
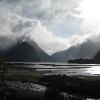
(25,50)
(85,50)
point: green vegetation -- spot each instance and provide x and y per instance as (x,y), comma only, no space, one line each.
(93,78)
(23,77)
(83,87)
(75,88)
(94,60)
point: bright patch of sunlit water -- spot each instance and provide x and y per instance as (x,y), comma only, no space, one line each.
(95,70)
(63,68)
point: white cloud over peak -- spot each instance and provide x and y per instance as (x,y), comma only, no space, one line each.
(54,24)
(15,26)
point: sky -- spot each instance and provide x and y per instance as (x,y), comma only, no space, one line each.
(55,25)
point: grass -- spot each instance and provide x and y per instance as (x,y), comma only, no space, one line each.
(23,77)
(62,82)
(93,78)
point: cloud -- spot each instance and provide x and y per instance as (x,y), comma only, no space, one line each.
(15,26)
(54,24)
(50,42)
(39,8)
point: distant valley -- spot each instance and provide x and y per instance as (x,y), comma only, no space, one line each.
(26,50)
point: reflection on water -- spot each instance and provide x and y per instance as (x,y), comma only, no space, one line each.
(81,70)
(55,68)
(26,86)
(95,70)
(74,69)
(64,68)
(86,70)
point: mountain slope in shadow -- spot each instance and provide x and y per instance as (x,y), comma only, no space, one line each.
(85,50)
(26,51)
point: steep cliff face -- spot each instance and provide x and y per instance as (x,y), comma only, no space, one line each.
(26,51)
(22,52)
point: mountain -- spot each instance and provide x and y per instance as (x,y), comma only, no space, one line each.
(97,57)
(94,60)
(85,50)
(26,51)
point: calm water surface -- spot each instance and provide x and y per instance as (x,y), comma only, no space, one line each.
(56,68)
(62,68)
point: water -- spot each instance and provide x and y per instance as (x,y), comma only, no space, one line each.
(26,86)
(54,68)
(62,68)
